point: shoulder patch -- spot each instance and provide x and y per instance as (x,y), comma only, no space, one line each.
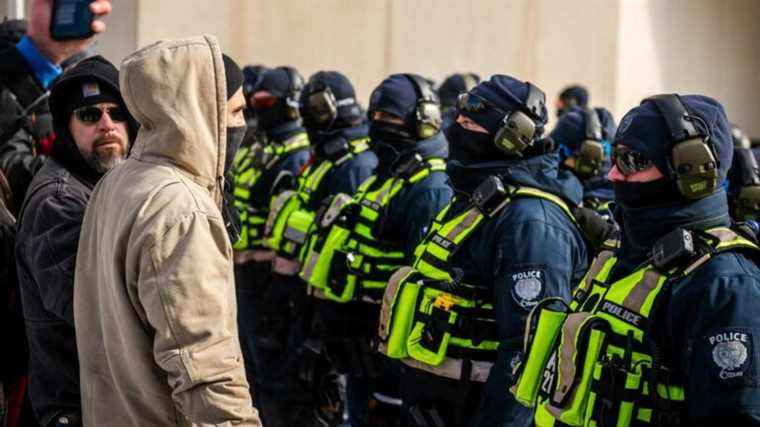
(527,285)
(731,351)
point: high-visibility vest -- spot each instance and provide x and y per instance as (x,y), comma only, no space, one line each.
(432,321)
(290,217)
(249,165)
(591,363)
(348,258)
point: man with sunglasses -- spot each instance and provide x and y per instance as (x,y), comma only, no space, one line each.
(94,131)
(669,319)
(507,240)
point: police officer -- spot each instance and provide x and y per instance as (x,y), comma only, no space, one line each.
(449,91)
(663,331)
(583,137)
(274,99)
(341,160)
(387,218)
(571,96)
(743,181)
(455,317)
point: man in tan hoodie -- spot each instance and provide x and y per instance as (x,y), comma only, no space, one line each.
(154,298)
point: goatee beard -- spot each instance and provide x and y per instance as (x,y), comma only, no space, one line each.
(103,161)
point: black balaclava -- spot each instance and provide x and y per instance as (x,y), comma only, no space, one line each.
(470,149)
(647,211)
(278,82)
(91,81)
(396,95)
(348,114)
(235,134)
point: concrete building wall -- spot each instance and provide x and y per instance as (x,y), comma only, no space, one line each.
(623,50)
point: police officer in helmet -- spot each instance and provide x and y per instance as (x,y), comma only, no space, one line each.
(743,181)
(583,136)
(340,161)
(262,321)
(388,216)
(485,263)
(669,318)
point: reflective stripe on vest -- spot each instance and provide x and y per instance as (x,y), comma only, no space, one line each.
(600,367)
(369,261)
(246,173)
(448,326)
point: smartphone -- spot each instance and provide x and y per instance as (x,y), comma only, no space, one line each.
(71,19)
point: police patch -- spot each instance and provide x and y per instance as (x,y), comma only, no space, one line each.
(731,351)
(527,286)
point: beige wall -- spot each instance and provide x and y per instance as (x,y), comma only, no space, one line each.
(623,50)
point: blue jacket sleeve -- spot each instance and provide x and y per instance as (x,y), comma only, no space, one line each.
(713,316)
(537,252)
(44,70)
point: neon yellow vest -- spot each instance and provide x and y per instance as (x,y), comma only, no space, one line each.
(590,364)
(249,165)
(346,259)
(290,218)
(432,321)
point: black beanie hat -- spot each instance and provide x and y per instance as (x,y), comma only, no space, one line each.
(233,75)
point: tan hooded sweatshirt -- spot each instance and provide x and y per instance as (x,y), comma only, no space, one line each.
(154,299)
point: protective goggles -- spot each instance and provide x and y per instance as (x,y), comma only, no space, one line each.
(630,161)
(263,100)
(475,104)
(92,114)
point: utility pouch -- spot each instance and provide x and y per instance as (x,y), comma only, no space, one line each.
(614,393)
(397,312)
(316,270)
(542,329)
(582,342)
(279,211)
(434,323)
(339,287)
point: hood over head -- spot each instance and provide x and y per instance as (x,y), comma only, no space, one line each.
(184,120)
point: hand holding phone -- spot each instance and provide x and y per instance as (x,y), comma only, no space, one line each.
(41,22)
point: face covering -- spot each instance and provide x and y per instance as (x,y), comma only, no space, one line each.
(467,146)
(230,214)
(390,132)
(645,194)
(271,118)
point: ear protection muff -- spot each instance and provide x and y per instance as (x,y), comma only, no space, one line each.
(294,92)
(590,157)
(692,161)
(428,112)
(518,128)
(746,204)
(321,106)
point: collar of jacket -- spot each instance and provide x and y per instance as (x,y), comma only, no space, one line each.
(66,153)
(434,147)
(348,134)
(285,131)
(184,121)
(642,227)
(541,172)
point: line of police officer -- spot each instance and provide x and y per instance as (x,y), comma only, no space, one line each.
(390,275)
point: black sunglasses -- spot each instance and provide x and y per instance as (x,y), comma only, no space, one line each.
(473,103)
(92,114)
(630,161)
